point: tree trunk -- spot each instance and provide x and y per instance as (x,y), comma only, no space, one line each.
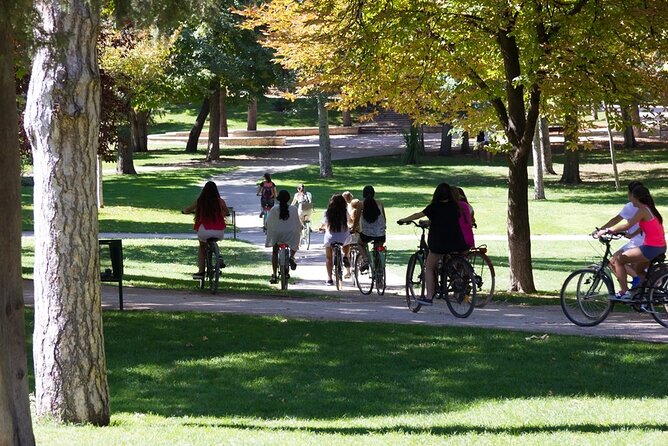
(546,146)
(446,140)
(224,132)
(196,130)
(629,136)
(15,421)
(347,118)
(124,159)
(324,146)
(251,124)
(465,147)
(571,173)
(100,183)
(213,149)
(538,186)
(634,113)
(62,122)
(139,129)
(611,144)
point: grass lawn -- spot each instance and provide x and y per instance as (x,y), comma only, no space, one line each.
(202,379)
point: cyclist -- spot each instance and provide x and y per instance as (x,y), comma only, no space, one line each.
(266,190)
(349,208)
(462,197)
(336,231)
(283,226)
(445,234)
(210,212)
(370,217)
(634,233)
(651,223)
(304,202)
(465,217)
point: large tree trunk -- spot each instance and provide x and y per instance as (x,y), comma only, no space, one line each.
(446,140)
(546,146)
(196,130)
(571,173)
(223,132)
(538,186)
(62,122)
(213,149)
(124,157)
(15,421)
(629,135)
(636,120)
(139,129)
(251,124)
(466,146)
(324,146)
(347,118)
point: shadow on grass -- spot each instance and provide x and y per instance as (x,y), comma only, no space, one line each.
(175,364)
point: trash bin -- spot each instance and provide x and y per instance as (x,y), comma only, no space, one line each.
(111,264)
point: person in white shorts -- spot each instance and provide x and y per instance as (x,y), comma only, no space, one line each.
(635,235)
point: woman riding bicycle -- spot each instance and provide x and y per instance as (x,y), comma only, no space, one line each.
(651,223)
(210,212)
(283,226)
(336,231)
(304,202)
(266,190)
(370,217)
(445,234)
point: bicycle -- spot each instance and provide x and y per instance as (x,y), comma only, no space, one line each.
(352,256)
(484,274)
(337,264)
(283,265)
(457,282)
(374,274)
(265,215)
(305,238)
(588,294)
(213,261)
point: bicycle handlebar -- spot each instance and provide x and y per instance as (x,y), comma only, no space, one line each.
(423,224)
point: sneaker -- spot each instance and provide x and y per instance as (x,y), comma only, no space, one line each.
(425,301)
(198,275)
(364,267)
(346,276)
(623,296)
(273,279)
(346,262)
(261,214)
(330,282)
(221,263)
(293,264)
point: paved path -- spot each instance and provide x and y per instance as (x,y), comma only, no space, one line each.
(350,305)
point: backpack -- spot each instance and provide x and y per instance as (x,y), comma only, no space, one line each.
(267,190)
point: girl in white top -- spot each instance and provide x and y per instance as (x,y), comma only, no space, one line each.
(304,202)
(283,226)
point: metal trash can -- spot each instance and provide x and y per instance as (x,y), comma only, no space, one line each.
(111,264)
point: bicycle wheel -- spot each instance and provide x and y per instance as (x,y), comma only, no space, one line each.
(283,257)
(337,260)
(364,279)
(585,297)
(265,214)
(484,277)
(415,286)
(379,269)
(213,267)
(308,235)
(354,253)
(658,297)
(460,286)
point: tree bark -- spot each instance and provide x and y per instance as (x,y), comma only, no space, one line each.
(124,158)
(538,186)
(465,147)
(251,124)
(139,129)
(213,150)
(62,122)
(546,146)
(571,173)
(636,120)
(196,130)
(347,118)
(15,418)
(324,146)
(446,140)
(629,135)
(223,132)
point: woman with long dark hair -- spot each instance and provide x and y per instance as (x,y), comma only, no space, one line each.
(335,225)
(283,226)
(445,234)
(651,224)
(210,212)
(370,217)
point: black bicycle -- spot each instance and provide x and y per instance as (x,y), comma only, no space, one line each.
(588,294)
(283,265)
(457,282)
(213,263)
(305,237)
(370,271)
(337,264)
